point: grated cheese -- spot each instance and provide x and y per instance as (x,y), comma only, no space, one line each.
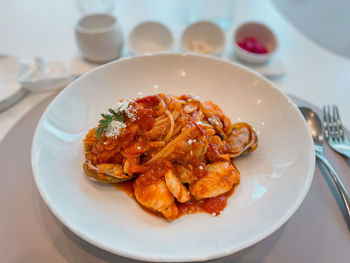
(121,105)
(127,108)
(114,128)
(131,113)
(198,46)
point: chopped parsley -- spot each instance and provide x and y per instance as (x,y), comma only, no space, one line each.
(107,120)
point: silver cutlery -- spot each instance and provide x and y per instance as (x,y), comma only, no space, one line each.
(316,128)
(334,132)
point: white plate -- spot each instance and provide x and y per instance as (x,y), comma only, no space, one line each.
(272,69)
(274,179)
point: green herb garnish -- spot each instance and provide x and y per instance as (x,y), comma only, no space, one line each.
(107,119)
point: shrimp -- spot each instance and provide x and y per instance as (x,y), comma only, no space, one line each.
(171,212)
(220,179)
(176,187)
(155,195)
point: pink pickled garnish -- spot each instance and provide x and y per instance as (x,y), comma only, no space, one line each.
(253,45)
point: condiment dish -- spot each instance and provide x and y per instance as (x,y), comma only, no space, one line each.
(203,37)
(262,34)
(150,37)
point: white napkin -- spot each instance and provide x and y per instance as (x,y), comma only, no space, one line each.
(10,90)
(37,74)
(18,76)
(9,67)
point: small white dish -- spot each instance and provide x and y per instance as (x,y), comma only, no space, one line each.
(260,32)
(203,37)
(150,37)
(99,37)
(274,178)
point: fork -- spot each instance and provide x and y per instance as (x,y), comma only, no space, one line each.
(334,132)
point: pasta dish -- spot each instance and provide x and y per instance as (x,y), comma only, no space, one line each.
(172,154)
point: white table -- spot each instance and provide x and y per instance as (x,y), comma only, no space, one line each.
(45,28)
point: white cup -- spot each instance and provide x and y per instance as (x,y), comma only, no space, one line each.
(99,37)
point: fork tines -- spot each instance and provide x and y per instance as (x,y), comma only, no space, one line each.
(332,124)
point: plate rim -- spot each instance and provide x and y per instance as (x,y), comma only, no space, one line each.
(222,253)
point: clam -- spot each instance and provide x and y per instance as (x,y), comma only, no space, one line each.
(106,173)
(242,139)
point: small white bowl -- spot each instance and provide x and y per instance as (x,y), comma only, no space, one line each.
(263,34)
(150,37)
(203,37)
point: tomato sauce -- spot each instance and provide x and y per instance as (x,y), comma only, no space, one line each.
(209,205)
(157,169)
(126,187)
(198,168)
